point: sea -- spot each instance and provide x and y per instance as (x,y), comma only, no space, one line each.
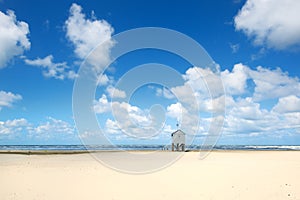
(144,147)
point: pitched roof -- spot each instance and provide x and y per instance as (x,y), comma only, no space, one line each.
(177,132)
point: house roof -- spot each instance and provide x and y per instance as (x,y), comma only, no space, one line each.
(177,132)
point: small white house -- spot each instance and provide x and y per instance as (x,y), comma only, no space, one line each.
(178,141)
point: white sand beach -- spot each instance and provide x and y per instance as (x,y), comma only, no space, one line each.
(222,175)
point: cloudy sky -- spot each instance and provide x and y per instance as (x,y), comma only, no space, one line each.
(254,43)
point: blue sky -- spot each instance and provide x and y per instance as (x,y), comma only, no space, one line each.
(255,44)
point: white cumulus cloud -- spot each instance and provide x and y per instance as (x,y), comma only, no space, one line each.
(272,84)
(246,89)
(86,34)
(52,127)
(288,104)
(112,127)
(165,92)
(274,23)
(115,93)
(8,98)
(176,110)
(103,80)
(249,105)
(205,81)
(102,105)
(127,118)
(13,37)
(14,126)
(235,81)
(51,69)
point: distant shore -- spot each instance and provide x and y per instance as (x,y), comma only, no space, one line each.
(71,149)
(53,152)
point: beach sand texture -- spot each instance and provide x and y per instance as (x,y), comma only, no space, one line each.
(222,175)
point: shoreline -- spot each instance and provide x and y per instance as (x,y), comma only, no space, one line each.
(70,152)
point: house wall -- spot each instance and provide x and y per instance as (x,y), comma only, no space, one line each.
(178,138)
